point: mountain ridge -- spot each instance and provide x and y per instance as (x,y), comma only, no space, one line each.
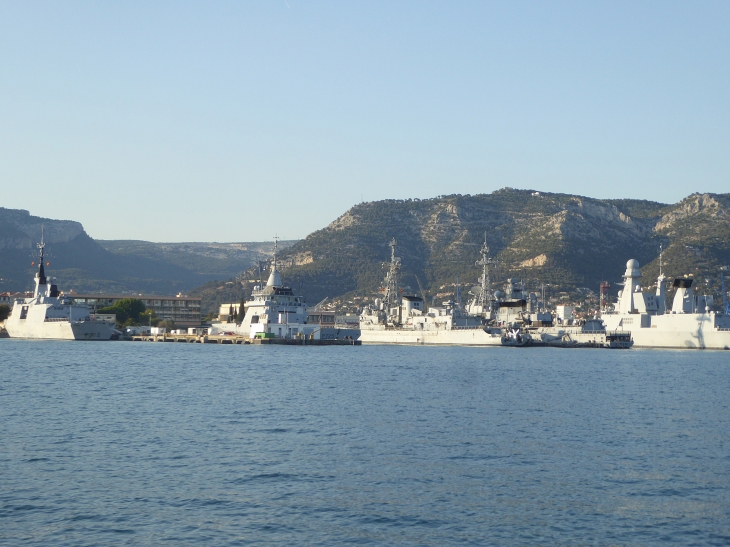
(83,264)
(566,241)
(570,243)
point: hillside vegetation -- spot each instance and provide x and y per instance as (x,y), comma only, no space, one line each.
(567,242)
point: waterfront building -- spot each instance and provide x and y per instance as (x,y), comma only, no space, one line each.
(183,310)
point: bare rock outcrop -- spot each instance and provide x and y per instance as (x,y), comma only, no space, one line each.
(20,230)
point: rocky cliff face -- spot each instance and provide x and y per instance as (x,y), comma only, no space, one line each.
(566,241)
(77,261)
(85,265)
(20,230)
(696,237)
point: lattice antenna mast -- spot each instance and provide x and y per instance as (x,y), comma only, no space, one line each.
(391,299)
(484,298)
(661,255)
(42,245)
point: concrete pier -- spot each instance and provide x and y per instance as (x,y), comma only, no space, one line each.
(223,339)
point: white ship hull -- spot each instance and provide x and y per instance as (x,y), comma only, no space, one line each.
(459,337)
(50,316)
(691,331)
(689,324)
(681,340)
(61,330)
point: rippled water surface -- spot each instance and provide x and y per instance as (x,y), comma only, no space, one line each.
(187,444)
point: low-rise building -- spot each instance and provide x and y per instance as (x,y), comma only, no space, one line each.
(9,298)
(183,310)
(227,312)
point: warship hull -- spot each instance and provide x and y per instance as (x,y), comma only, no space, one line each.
(60,330)
(689,324)
(458,337)
(691,331)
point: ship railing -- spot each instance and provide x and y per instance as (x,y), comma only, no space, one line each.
(65,319)
(723,329)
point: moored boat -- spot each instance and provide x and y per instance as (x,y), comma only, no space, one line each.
(48,315)
(274,311)
(690,323)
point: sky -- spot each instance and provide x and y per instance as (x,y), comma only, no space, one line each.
(238,121)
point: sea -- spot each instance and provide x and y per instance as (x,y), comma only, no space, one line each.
(145,444)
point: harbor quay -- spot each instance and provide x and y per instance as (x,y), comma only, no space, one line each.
(241,340)
(274,314)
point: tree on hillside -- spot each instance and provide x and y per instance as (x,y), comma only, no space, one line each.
(4,312)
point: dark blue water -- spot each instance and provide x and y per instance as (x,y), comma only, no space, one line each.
(182,444)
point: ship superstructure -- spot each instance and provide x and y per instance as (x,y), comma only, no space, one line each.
(402,319)
(689,323)
(51,316)
(481,304)
(512,316)
(274,311)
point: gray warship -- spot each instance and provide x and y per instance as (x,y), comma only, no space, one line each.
(48,315)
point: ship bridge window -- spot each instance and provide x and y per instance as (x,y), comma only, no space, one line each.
(254,319)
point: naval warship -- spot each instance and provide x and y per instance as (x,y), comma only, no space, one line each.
(690,323)
(487,319)
(509,317)
(48,315)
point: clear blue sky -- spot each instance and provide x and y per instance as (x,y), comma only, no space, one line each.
(234,121)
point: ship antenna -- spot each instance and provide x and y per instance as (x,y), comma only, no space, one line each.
(42,244)
(661,252)
(484,296)
(276,248)
(41,275)
(392,296)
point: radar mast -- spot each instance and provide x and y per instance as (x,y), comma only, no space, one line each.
(391,298)
(484,298)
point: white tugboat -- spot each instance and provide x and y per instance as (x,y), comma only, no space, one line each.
(51,316)
(689,324)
